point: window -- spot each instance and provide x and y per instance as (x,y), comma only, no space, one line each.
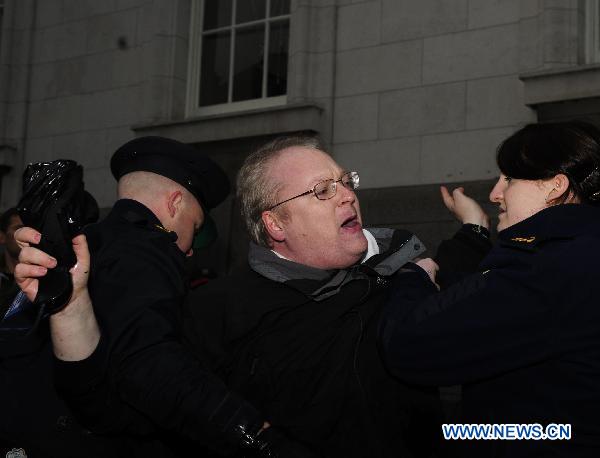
(238,55)
(592,32)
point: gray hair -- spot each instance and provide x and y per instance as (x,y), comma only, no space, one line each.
(255,191)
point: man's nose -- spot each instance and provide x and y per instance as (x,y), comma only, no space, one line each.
(346,194)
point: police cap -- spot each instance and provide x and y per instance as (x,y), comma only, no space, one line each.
(177,161)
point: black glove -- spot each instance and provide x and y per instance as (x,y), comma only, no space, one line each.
(235,428)
(55,203)
(273,443)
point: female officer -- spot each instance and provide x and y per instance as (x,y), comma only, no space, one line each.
(522,336)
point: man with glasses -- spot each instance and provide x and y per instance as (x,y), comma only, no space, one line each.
(295,333)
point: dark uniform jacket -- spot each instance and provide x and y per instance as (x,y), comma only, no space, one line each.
(32,416)
(140,380)
(300,343)
(523,336)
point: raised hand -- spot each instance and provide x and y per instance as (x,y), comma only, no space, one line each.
(74,329)
(464,208)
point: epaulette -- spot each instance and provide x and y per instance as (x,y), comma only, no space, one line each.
(142,222)
(531,242)
(526,243)
(172,235)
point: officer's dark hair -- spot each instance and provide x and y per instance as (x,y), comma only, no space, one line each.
(541,151)
(6,217)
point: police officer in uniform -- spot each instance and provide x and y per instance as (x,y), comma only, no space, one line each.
(523,335)
(127,373)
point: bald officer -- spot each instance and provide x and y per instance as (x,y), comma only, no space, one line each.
(126,372)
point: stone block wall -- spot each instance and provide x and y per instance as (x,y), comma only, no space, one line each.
(425,91)
(90,72)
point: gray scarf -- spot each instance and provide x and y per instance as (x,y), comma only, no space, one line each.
(320,284)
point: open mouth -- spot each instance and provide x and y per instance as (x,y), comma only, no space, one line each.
(351,222)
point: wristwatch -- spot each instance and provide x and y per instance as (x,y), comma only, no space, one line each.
(479,230)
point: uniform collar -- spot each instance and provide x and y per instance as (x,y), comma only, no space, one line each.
(140,215)
(559,221)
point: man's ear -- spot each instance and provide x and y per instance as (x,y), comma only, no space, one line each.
(273,224)
(559,185)
(174,203)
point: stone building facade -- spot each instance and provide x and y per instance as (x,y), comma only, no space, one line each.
(409,93)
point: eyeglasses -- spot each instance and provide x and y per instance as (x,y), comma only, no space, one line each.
(327,189)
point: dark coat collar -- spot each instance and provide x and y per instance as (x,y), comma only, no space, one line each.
(396,249)
(559,221)
(135,212)
(138,214)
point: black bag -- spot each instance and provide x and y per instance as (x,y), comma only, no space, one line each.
(55,203)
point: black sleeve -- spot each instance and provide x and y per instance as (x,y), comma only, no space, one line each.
(140,376)
(84,384)
(484,325)
(461,255)
(204,316)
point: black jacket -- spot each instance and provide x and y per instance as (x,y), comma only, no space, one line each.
(523,336)
(140,380)
(300,343)
(33,417)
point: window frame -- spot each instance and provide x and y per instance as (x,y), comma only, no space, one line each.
(592,32)
(195,67)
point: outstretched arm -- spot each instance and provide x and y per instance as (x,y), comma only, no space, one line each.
(459,335)
(462,254)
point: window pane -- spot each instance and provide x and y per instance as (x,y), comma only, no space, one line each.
(248,64)
(217,13)
(278,58)
(280,7)
(250,10)
(215,68)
